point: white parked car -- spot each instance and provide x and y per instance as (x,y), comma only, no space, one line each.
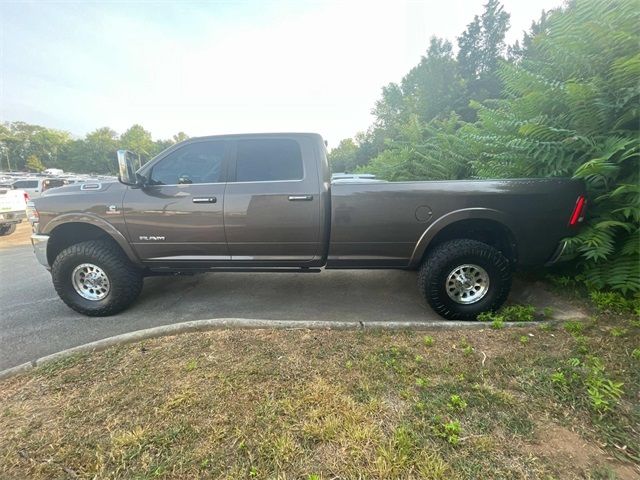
(37,185)
(13,207)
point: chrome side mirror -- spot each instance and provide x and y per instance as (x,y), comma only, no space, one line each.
(126,169)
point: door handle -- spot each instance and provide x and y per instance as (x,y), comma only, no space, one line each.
(204,200)
(300,198)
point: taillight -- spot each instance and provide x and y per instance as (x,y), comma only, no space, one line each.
(32,214)
(577,216)
(26,196)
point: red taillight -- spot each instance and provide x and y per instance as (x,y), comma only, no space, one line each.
(26,197)
(578,211)
(32,214)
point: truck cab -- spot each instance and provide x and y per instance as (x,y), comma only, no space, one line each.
(257,200)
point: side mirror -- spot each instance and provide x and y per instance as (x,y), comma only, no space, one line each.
(126,169)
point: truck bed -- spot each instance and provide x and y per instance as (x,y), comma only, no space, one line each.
(391,224)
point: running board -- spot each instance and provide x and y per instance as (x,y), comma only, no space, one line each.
(188,271)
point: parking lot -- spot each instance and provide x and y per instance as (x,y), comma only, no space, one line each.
(34,321)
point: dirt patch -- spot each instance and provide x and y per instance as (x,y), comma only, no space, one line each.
(22,236)
(562,446)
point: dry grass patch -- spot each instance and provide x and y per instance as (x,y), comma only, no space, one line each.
(315,404)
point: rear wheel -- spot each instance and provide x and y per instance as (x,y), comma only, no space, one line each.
(462,278)
(7,229)
(95,278)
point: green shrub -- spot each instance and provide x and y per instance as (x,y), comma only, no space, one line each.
(518,313)
(574,327)
(497,323)
(450,431)
(614,302)
(456,403)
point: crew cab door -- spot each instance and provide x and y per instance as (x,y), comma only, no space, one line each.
(273,205)
(178,217)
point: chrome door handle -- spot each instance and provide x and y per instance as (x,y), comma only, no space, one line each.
(204,200)
(300,198)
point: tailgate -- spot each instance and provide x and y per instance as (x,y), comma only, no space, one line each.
(12,200)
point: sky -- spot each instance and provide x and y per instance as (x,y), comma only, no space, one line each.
(215,67)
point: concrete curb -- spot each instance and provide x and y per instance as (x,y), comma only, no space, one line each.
(224,323)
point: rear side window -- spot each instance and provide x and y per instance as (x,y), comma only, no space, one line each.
(26,184)
(268,160)
(200,162)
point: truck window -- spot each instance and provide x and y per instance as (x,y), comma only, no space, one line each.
(52,183)
(268,160)
(26,184)
(199,162)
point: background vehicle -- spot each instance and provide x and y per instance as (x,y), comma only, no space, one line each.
(12,209)
(354,178)
(36,186)
(265,202)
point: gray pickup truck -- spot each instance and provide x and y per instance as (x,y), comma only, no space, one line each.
(266,203)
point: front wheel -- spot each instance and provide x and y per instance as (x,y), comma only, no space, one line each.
(462,278)
(95,278)
(7,229)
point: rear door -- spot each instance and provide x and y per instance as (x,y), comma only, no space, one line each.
(272,204)
(179,216)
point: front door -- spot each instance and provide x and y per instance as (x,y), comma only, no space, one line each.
(272,202)
(179,215)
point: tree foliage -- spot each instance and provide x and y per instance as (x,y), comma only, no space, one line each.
(34,164)
(566,102)
(572,110)
(33,147)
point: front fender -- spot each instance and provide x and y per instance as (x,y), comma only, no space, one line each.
(450,218)
(96,221)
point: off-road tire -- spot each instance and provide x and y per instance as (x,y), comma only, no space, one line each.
(434,270)
(125,279)
(7,229)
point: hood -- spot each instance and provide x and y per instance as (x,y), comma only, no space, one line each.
(83,188)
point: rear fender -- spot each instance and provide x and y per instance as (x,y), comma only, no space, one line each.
(450,218)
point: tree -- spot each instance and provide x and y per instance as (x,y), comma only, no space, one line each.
(96,153)
(526,49)
(139,141)
(421,152)
(180,137)
(34,164)
(434,87)
(343,157)
(19,140)
(481,48)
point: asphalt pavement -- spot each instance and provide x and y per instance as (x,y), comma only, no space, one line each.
(34,322)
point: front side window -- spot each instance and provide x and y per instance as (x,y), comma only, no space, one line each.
(268,160)
(199,162)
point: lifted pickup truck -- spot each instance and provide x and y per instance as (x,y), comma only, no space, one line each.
(266,202)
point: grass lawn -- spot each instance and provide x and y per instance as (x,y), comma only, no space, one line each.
(529,402)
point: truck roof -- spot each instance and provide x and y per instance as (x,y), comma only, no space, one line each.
(258,135)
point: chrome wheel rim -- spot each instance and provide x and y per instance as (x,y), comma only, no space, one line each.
(90,282)
(467,284)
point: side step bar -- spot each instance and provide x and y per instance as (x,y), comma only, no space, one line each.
(189,271)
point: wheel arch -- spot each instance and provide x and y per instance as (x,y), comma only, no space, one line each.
(482,224)
(68,230)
